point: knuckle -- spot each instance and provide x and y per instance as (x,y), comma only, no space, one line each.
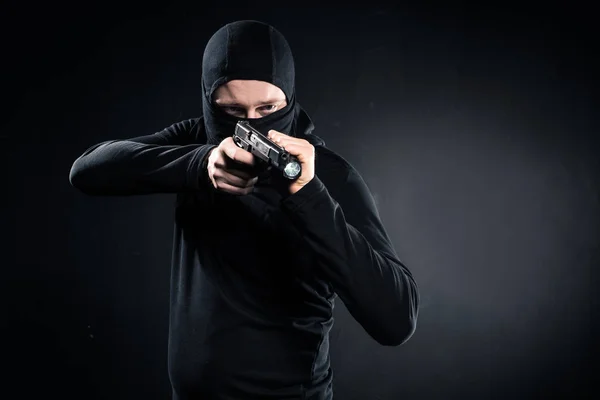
(234,153)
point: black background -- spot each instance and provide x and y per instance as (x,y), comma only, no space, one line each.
(474,126)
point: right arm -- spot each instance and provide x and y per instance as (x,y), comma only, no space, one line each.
(169,161)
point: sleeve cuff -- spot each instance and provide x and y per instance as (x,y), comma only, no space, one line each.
(198,175)
(313,189)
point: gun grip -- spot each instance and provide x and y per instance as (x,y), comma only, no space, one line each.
(240,143)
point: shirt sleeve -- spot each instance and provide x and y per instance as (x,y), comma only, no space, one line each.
(169,161)
(356,255)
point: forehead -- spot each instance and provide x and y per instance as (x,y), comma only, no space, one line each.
(247,92)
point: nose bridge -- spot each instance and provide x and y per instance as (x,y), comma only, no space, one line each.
(251,112)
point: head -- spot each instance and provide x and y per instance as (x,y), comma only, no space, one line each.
(248,73)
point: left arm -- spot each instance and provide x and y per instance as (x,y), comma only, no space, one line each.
(352,247)
(357,256)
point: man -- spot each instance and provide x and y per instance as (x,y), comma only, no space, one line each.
(258,260)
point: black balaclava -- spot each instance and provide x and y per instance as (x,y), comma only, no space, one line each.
(248,50)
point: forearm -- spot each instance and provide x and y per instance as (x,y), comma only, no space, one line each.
(127,167)
(378,290)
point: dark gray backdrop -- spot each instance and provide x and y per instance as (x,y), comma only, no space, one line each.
(474,128)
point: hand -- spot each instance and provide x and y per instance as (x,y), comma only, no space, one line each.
(303,150)
(232,169)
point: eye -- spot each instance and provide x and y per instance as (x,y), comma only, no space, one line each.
(270,107)
(232,110)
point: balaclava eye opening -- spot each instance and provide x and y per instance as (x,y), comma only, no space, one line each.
(247,50)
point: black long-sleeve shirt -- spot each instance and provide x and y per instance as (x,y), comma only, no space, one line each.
(254,277)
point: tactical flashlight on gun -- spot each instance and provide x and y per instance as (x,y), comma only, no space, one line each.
(262,147)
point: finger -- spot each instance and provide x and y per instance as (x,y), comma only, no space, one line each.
(241,173)
(225,176)
(298,150)
(299,143)
(273,134)
(228,188)
(235,153)
(241,169)
(237,181)
(282,139)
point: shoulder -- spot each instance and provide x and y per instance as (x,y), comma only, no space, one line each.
(329,161)
(346,185)
(188,131)
(337,173)
(186,125)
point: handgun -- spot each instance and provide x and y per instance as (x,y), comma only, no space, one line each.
(249,139)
